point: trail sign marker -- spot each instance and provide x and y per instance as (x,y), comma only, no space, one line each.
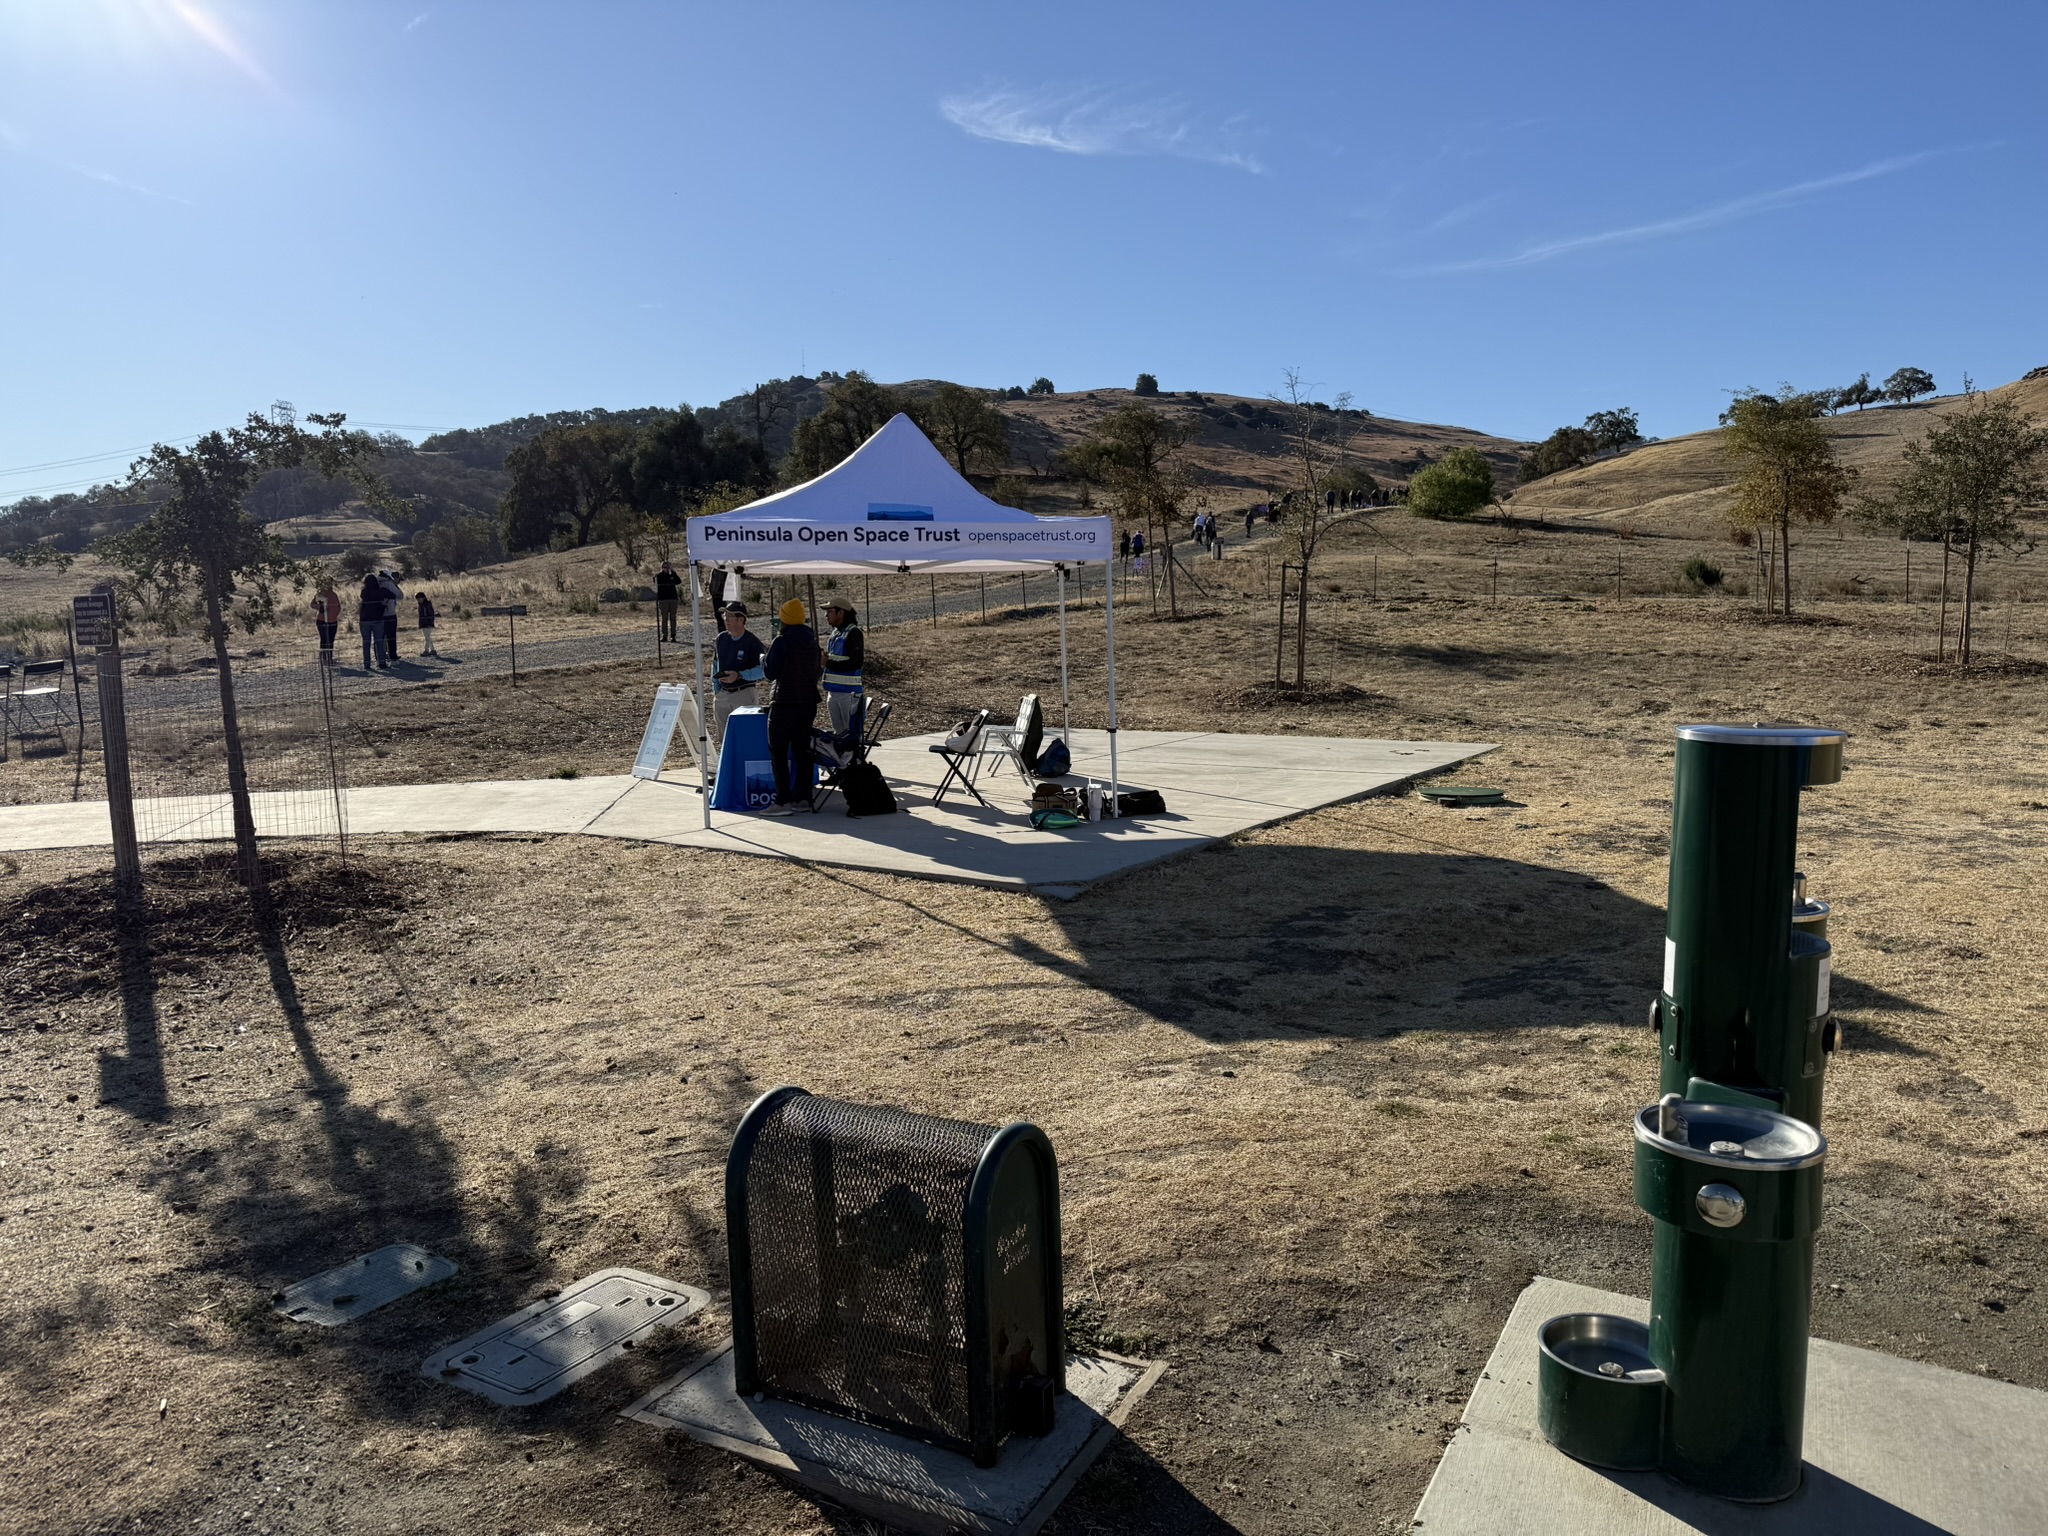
(92,619)
(511,613)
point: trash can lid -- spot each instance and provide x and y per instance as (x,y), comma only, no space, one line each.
(1734,1136)
(1823,760)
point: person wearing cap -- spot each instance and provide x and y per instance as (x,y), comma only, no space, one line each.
(794,665)
(845,654)
(738,670)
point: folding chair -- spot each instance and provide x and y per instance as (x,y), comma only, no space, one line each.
(40,701)
(1018,744)
(878,718)
(961,753)
(834,754)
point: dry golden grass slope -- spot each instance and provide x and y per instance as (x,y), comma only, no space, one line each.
(1685,481)
(1238,441)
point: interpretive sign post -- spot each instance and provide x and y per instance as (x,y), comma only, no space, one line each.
(511,614)
(92,619)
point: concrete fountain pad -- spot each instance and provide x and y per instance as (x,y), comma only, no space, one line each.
(1893,1448)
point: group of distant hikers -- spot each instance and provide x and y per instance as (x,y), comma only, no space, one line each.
(376,614)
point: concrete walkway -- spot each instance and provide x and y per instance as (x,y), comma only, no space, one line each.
(1215,786)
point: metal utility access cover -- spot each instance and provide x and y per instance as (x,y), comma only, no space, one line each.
(1462,794)
(537,1351)
(362,1285)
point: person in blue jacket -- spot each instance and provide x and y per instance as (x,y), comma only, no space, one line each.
(737,673)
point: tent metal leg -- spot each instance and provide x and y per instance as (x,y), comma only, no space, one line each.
(703,698)
(1066,707)
(1109,621)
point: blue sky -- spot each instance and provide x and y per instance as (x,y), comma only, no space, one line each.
(444,212)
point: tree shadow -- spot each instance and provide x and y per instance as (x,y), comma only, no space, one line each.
(1129,1493)
(133,1080)
(1250,941)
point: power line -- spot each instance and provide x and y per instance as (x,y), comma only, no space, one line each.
(122,453)
(92,458)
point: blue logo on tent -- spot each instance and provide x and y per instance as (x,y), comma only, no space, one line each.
(897,512)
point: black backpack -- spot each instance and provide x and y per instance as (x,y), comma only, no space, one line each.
(867,792)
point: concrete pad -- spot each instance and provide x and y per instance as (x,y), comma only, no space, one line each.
(1216,785)
(906,1483)
(1893,1448)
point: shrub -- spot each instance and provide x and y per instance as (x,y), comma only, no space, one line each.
(1457,486)
(1042,386)
(1147,385)
(1702,572)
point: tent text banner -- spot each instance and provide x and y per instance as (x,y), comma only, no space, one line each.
(886,542)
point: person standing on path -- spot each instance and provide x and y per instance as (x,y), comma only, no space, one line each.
(846,651)
(793,665)
(394,594)
(370,615)
(1251,515)
(737,672)
(668,592)
(426,625)
(327,618)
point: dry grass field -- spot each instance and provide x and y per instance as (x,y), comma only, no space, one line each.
(1325,1097)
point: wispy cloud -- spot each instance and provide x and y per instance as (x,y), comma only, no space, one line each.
(423,15)
(212,31)
(1452,218)
(1690,223)
(1098,122)
(17,141)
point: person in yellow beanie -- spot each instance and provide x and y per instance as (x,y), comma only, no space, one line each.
(794,665)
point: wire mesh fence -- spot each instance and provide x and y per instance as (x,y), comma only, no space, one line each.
(178,762)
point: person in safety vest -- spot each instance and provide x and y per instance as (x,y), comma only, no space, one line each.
(845,654)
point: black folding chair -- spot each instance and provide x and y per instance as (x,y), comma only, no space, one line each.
(961,753)
(835,753)
(877,718)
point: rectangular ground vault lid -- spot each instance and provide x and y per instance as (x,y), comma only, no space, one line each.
(540,1349)
(362,1285)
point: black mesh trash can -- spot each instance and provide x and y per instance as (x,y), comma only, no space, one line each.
(896,1268)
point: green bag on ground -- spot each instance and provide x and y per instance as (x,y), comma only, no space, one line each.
(1054,818)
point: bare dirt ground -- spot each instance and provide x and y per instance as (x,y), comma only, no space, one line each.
(1325,1097)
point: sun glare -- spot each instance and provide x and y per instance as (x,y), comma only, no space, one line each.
(137,30)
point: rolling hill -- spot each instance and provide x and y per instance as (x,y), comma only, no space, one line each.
(1686,483)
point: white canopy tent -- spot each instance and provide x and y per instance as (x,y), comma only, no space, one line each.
(894,505)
